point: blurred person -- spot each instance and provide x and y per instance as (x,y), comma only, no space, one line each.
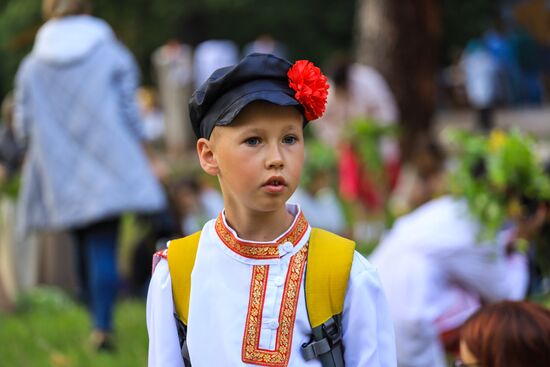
(534,16)
(359,92)
(11,153)
(506,334)
(497,42)
(436,273)
(155,231)
(539,256)
(76,110)
(481,81)
(451,82)
(211,55)
(526,53)
(196,203)
(19,257)
(191,214)
(173,67)
(439,263)
(422,179)
(266,44)
(11,156)
(152,115)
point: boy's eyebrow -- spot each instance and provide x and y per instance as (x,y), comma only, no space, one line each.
(257,130)
(252,130)
(290,127)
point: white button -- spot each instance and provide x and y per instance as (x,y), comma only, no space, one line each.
(288,246)
(278,281)
(273,325)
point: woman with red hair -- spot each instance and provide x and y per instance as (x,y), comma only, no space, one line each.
(510,334)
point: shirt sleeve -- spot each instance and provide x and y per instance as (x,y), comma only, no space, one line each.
(368,333)
(490,272)
(164,349)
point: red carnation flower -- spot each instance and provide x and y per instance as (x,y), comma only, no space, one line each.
(311,88)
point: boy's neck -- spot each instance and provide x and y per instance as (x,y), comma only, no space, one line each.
(260,227)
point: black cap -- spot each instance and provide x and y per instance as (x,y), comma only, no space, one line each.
(257,77)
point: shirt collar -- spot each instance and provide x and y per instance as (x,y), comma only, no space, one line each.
(288,242)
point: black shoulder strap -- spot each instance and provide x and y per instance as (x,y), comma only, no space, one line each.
(182,336)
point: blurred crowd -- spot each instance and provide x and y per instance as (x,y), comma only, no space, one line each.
(505,66)
(78,153)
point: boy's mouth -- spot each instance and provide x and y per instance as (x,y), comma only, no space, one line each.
(275,184)
(275,181)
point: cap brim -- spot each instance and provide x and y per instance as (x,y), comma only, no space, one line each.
(226,109)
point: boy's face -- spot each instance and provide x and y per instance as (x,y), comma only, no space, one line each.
(258,158)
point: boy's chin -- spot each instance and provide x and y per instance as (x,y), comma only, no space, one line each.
(271,205)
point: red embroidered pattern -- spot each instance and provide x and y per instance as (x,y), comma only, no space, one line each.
(251,352)
(261,250)
(159,255)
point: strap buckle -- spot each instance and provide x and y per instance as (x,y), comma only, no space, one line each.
(332,331)
(327,342)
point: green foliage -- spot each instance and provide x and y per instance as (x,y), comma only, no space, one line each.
(320,159)
(10,188)
(19,21)
(494,173)
(50,330)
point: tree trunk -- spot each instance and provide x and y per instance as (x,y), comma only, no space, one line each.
(400,38)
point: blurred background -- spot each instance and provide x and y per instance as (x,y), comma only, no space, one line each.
(402,73)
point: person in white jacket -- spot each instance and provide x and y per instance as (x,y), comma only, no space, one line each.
(86,162)
(437,267)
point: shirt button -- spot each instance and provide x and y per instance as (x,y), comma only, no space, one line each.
(288,246)
(279,281)
(273,325)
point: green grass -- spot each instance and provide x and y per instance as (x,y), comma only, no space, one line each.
(50,330)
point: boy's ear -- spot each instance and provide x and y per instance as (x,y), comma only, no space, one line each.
(206,157)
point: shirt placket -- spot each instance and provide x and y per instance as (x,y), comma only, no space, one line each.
(273,297)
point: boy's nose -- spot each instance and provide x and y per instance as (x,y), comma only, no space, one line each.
(275,158)
(276,164)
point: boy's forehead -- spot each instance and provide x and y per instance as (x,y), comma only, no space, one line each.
(259,116)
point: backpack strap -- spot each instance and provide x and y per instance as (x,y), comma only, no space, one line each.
(181,260)
(327,273)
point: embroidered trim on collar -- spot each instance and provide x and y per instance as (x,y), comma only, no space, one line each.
(258,250)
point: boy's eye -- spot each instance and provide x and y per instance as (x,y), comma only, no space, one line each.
(290,139)
(253,141)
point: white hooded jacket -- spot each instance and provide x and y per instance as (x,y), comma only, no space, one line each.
(76,107)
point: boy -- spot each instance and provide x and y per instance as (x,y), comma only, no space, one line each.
(247,298)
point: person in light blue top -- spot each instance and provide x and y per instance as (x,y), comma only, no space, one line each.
(86,164)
